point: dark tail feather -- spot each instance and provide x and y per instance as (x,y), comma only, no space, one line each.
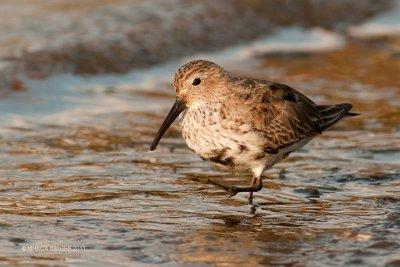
(330,114)
(351,114)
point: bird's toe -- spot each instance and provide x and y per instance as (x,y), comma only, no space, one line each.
(232,191)
(253,209)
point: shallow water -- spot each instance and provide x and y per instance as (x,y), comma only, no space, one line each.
(75,170)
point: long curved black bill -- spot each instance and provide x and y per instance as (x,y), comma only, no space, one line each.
(176,109)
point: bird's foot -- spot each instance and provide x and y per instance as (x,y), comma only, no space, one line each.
(253,209)
(231,190)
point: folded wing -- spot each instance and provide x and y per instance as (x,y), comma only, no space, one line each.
(285,116)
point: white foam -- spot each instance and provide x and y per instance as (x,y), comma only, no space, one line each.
(298,40)
(285,40)
(387,24)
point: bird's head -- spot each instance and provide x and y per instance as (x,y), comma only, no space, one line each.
(197,81)
(194,82)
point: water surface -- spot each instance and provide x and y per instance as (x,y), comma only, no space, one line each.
(75,170)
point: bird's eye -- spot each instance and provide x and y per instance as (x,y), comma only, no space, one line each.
(196,81)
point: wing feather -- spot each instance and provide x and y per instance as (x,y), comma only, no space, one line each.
(284,116)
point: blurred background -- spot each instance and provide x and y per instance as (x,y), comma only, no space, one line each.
(84,85)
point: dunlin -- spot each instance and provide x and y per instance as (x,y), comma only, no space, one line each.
(244,124)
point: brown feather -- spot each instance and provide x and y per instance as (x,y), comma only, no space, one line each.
(279,113)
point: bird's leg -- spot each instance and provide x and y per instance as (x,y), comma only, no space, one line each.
(250,198)
(233,190)
(255,181)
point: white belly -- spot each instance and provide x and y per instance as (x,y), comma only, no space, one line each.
(228,144)
(207,135)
